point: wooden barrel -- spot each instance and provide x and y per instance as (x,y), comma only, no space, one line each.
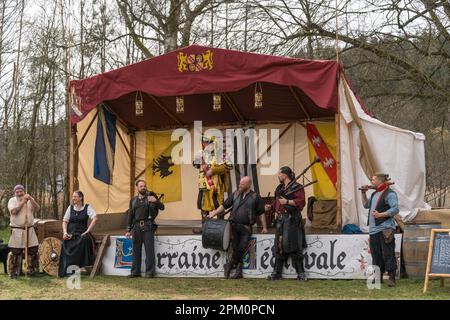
(416,239)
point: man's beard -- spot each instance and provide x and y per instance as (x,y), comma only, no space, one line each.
(143,192)
(19,198)
(242,190)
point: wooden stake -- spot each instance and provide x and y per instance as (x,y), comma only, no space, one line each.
(233,107)
(337,122)
(299,102)
(100,254)
(430,254)
(132,161)
(86,132)
(73,184)
(278,140)
(122,141)
(163,108)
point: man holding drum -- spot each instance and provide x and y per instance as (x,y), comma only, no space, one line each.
(246,206)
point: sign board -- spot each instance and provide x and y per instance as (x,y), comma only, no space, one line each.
(327,257)
(438,262)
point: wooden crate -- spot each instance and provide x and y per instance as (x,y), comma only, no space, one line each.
(48,228)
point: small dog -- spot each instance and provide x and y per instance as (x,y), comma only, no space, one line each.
(4,250)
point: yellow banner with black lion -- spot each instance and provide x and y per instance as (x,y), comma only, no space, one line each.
(162,175)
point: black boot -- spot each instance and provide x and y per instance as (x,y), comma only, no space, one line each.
(277,270)
(301,275)
(391,281)
(227,268)
(238,274)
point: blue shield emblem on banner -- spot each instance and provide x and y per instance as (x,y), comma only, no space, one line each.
(124,253)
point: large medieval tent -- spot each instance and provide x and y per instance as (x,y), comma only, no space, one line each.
(310,102)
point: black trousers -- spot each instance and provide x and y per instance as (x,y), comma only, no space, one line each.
(290,241)
(143,235)
(383,255)
(240,240)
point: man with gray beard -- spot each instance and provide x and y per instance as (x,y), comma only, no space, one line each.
(22,208)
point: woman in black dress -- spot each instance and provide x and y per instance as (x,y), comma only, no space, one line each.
(78,245)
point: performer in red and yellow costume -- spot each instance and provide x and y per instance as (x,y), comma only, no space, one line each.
(213,178)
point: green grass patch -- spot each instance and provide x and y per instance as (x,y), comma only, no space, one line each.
(114,287)
(4,234)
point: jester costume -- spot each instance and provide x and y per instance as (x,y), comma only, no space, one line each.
(212,179)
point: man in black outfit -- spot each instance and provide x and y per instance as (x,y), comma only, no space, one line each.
(247,206)
(142,212)
(290,237)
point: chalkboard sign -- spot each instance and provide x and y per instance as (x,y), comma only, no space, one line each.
(438,263)
(440,259)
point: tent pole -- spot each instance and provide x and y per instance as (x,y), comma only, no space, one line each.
(73,181)
(233,107)
(132,135)
(86,132)
(338,172)
(123,142)
(299,102)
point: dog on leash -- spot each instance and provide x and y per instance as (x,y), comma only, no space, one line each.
(4,250)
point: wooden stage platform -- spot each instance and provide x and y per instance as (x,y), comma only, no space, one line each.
(184,227)
(115,225)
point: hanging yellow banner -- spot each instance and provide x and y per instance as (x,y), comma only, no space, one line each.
(162,175)
(323,139)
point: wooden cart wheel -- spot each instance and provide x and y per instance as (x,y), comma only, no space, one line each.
(49,252)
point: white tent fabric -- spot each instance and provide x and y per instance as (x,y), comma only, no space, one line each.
(396,151)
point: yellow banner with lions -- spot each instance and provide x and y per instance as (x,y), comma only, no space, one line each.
(161,174)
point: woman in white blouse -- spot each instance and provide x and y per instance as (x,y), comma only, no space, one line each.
(78,245)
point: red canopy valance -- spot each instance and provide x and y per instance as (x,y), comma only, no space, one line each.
(293,89)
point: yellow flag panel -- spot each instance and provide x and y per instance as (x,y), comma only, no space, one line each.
(161,174)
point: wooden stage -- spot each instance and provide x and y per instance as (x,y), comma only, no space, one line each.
(184,227)
(115,225)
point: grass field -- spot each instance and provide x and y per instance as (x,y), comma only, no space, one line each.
(110,287)
(4,234)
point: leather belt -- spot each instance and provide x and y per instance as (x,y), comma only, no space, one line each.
(142,222)
(23,228)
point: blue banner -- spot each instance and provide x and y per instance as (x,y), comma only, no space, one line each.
(105,146)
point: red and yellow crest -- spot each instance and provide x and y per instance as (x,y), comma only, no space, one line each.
(195,62)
